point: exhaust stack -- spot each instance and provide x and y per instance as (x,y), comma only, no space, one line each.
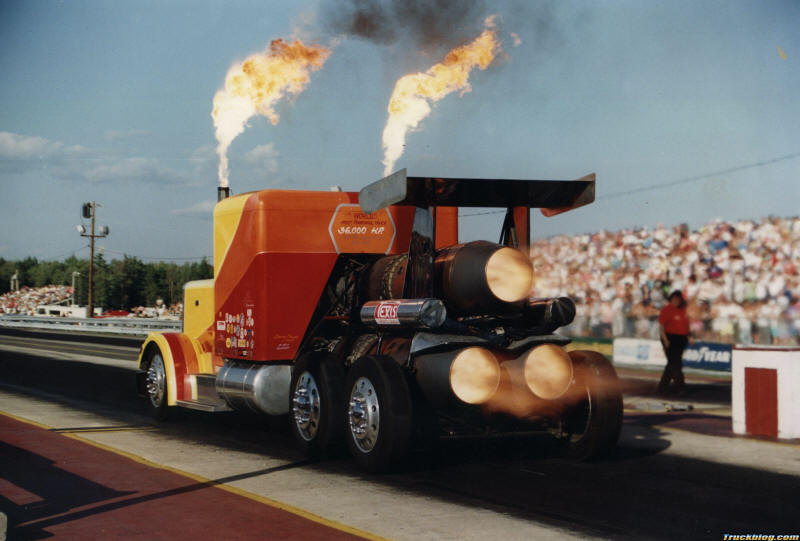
(223,192)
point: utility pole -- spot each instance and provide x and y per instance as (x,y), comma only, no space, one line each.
(74,274)
(89,210)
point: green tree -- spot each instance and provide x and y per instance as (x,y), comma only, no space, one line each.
(118,284)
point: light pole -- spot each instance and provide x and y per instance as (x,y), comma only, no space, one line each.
(74,274)
(89,210)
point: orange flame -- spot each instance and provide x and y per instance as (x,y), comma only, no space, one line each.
(255,86)
(409,104)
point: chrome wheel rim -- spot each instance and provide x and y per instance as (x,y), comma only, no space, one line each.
(364,415)
(156,380)
(306,406)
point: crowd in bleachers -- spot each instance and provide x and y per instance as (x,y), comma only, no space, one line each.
(26,300)
(740,279)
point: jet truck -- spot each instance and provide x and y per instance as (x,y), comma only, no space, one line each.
(362,318)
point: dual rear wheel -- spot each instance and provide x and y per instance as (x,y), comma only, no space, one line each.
(370,409)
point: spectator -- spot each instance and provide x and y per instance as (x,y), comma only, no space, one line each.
(740,277)
(674,338)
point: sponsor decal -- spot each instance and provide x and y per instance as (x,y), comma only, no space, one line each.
(353,231)
(220,325)
(386,313)
(284,341)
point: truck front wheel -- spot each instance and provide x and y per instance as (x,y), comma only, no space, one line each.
(316,403)
(379,413)
(156,385)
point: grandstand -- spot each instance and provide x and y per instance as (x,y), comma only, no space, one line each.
(741,279)
(27,300)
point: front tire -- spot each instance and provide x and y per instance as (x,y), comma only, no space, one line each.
(593,420)
(156,385)
(316,404)
(379,413)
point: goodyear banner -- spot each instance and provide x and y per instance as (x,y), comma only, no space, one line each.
(702,355)
(708,356)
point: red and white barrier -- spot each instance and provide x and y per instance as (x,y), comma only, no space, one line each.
(766,391)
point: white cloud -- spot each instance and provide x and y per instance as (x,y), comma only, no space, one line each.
(14,146)
(203,208)
(264,156)
(22,153)
(136,169)
(116,135)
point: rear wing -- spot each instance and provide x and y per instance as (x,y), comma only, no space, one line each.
(552,196)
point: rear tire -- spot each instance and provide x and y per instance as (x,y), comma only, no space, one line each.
(592,423)
(156,384)
(378,413)
(316,403)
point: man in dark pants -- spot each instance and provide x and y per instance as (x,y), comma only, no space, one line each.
(674,337)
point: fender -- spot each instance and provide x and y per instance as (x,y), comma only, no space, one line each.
(180,354)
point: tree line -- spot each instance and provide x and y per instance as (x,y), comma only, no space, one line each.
(118,284)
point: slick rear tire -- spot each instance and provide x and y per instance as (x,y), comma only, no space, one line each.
(316,401)
(156,384)
(378,413)
(593,420)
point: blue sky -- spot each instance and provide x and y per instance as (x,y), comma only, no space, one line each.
(111,101)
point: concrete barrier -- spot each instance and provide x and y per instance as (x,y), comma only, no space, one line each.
(765,387)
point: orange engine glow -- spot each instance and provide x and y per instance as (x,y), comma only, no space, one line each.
(548,371)
(474,375)
(509,275)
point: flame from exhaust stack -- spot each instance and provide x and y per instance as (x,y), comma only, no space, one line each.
(409,103)
(255,86)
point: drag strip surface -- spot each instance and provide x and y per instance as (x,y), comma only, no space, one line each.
(660,484)
(110,494)
(109,351)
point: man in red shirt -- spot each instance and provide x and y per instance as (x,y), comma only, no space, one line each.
(674,337)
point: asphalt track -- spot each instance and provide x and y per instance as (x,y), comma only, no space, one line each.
(93,465)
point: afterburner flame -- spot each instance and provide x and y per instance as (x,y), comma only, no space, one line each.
(548,371)
(474,375)
(509,274)
(409,104)
(255,86)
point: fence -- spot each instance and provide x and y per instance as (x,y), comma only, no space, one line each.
(112,325)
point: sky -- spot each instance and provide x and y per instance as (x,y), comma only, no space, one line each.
(686,111)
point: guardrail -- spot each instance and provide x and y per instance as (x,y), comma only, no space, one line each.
(111,325)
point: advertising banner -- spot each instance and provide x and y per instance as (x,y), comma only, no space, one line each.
(643,352)
(639,351)
(708,356)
